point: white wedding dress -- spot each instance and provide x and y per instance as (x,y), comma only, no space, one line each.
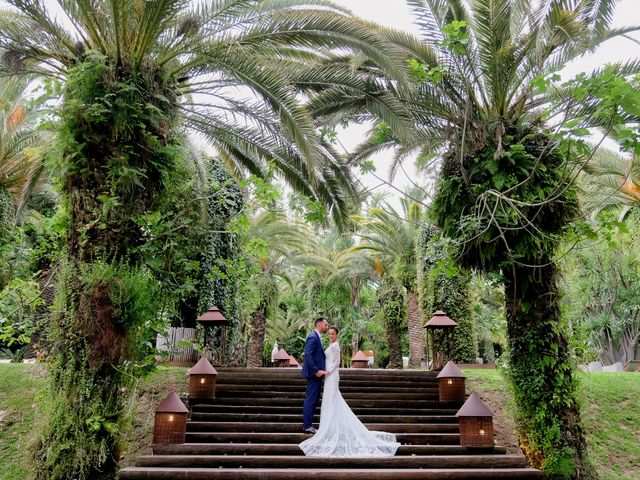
(341,434)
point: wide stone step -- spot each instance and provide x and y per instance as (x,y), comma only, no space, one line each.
(292,449)
(353,382)
(385,388)
(396,402)
(273,437)
(296,427)
(349,394)
(295,461)
(297,409)
(274,417)
(345,375)
(134,473)
(356,372)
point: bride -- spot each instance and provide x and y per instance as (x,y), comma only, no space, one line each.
(341,434)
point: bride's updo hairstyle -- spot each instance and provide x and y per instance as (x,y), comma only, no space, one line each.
(336,329)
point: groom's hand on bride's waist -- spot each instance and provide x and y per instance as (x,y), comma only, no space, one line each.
(321,373)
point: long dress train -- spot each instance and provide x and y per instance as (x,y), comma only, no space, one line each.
(341,434)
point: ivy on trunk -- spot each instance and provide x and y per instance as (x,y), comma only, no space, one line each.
(114,132)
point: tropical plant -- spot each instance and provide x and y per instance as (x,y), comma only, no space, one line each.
(21,163)
(136,74)
(14,356)
(611,182)
(484,74)
(601,296)
(487,298)
(355,268)
(272,245)
(443,285)
(392,236)
(391,298)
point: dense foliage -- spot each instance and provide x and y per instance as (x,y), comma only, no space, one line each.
(443,285)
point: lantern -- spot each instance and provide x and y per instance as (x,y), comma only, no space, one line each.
(214,318)
(359,360)
(170,425)
(202,380)
(476,424)
(451,383)
(282,359)
(293,363)
(440,322)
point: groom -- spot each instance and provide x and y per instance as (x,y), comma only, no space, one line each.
(313,368)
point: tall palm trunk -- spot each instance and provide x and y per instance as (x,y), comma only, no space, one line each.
(539,351)
(6,214)
(256,339)
(111,144)
(355,302)
(416,332)
(392,332)
(391,299)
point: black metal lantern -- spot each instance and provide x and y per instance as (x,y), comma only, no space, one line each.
(170,424)
(476,424)
(214,318)
(451,384)
(442,324)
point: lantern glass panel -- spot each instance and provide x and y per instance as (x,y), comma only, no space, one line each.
(476,432)
(169,427)
(452,389)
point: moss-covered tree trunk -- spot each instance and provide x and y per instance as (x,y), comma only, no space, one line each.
(218,286)
(508,202)
(256,336)
(6,221)
(391,298)
(115,136)
(542,374)
(416,332)
(444,285)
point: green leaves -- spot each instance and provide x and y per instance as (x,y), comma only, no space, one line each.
(455,37)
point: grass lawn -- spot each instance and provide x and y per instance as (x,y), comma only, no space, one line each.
(611,416)
(19,384)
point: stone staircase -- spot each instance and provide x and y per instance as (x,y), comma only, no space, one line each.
(253,428)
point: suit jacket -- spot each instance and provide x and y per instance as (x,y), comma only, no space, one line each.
(313,356)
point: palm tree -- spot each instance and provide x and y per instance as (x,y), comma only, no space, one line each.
(357,269)
(136,76)
(20,160)
(612,181)
(277,245)
(391,298)
(505,188)
(21,165)
(392,236)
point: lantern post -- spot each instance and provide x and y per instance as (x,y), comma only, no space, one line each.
(440,321)
(214,318)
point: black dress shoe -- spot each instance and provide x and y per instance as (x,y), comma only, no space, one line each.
(310,430)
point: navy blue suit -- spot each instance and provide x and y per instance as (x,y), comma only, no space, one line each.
(313,361)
